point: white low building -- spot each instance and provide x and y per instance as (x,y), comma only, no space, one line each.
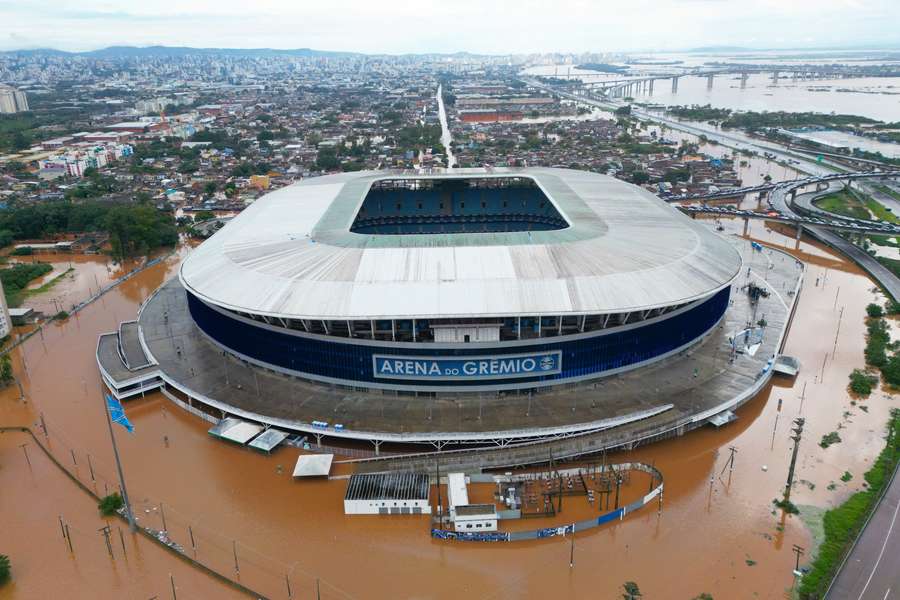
(468,517)
(387,494)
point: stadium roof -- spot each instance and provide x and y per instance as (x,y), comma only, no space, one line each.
(291,254)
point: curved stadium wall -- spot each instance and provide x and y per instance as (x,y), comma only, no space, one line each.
(494,366)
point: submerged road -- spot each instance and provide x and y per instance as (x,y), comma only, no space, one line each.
(872,571)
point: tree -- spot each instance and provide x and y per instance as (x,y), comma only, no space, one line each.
(5,569)
(703,596)
(110,504)
(6,370)
(210,188)
(632,592)
(640,177)
(873,310)
(326,159)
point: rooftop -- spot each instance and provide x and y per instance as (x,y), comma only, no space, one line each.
(390,486)
(292,254)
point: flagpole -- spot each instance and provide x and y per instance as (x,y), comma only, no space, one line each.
(112,437)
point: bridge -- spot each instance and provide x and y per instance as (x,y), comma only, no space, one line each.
(616,88)
(835,224)
(782,194)
(793,184)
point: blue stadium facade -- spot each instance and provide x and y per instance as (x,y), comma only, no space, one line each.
(430,366)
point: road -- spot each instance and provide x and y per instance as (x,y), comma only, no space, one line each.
(446,138)
(872,571)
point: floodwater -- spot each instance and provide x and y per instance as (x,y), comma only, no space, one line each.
(74,279)
(874,97)
(717,531)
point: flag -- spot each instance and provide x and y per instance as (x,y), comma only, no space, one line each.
(117,413)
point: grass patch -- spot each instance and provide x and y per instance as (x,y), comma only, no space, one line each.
(881,213)
(883,240)
(49,285)
(843,523)
(843,203)
(16,278)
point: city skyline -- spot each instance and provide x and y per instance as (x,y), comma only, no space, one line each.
(346,25)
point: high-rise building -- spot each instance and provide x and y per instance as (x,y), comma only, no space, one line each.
(5,320)
(12,100)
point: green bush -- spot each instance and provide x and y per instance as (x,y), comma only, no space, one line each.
(5,569)
(862,383)
(110,504)
(829,439)
(787,506)
(847,476)
(843,523)
(891,370)
(874,310)
(876,343)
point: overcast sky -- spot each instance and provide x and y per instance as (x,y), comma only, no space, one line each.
(483,26)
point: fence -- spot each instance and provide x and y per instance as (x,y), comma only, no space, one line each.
(546,532)
(204,546)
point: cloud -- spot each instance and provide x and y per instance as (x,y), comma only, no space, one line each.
(400,26)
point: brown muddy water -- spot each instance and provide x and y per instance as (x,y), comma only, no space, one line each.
(716,533)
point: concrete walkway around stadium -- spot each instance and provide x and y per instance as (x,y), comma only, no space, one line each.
(695,382)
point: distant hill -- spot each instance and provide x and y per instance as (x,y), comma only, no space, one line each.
(179,51)
(176,51)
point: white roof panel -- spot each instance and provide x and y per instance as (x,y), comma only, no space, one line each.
(291,254)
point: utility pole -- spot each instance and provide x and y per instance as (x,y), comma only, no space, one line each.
(440,506)
(618,484)
(112,437)
(572,548)
(24,448)
(105,531)
(798,550)
(798,434)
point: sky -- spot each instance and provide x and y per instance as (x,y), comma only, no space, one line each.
(479,26)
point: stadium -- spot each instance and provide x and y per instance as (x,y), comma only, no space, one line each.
(470,281)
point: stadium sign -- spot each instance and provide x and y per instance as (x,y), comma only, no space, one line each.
(458,368)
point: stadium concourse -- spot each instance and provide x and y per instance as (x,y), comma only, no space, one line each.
(476,306)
